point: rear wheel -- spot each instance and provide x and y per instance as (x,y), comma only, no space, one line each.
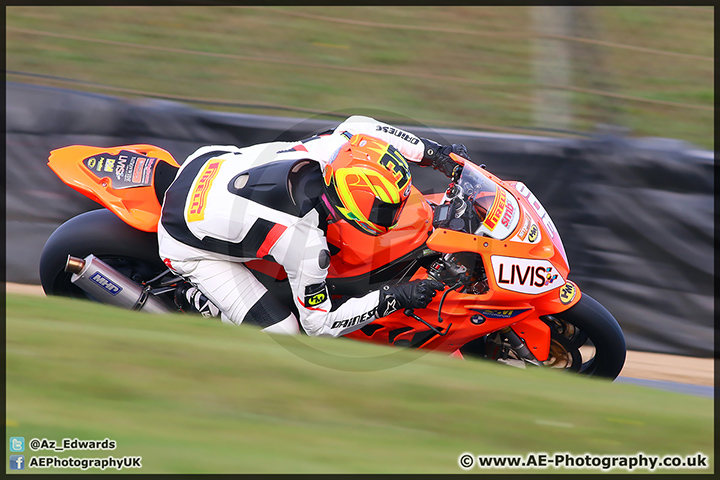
(128,250)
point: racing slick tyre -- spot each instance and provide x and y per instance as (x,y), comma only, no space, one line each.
(586,339)
(100,232)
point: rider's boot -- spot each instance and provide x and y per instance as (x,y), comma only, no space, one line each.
(189,298)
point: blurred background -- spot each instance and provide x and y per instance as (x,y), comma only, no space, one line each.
(549,70)
(606,113)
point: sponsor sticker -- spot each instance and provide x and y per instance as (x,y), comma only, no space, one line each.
(315,294)
(199,193)
(508,215)
(129,169)
(550,276)
(137,172)
(500,313)
(398,133)
(497,209)
(351,322)
(524,230)
(503,216)
(529,232)
(525,276)
(534,234)
(147,173)
(111,287)
(125,170)
(567,293)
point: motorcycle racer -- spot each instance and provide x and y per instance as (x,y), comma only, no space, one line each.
(229,205)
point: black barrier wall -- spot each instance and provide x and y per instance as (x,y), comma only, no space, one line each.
(635,215)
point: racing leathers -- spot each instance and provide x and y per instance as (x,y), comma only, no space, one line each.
(229,205)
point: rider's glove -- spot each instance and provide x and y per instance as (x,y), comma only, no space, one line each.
(415,294)
(438,156)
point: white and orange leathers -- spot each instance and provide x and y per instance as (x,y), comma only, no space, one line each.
(216,216)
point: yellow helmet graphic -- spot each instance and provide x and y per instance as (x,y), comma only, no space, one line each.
(367,183)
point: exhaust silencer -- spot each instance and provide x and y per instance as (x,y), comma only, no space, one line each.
(107,285)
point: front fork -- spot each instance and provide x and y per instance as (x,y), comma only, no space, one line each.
(519,347)
(529,339)
(535,335)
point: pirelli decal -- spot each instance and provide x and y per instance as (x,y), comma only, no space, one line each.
(497,210)
(198,197)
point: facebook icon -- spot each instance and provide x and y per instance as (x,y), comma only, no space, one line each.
(17,462)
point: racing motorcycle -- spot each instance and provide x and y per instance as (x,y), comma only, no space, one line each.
(507,296)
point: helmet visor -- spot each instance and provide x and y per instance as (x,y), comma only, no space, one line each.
(384,214)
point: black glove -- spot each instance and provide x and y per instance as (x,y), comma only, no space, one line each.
(415,294)
(438,156)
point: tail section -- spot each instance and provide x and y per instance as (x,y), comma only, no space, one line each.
(129,180)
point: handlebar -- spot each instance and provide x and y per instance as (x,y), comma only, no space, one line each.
(411,313)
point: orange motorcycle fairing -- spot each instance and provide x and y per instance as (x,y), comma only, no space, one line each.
(522,278)
(119,178)
(465,317)
(536,335)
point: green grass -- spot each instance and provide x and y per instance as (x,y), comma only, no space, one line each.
(486,54)
(191,395)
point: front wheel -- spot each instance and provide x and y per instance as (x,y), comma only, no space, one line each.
(586,339)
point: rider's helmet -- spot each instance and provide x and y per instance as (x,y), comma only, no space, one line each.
(367,182)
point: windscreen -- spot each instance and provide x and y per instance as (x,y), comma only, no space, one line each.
(497,210)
